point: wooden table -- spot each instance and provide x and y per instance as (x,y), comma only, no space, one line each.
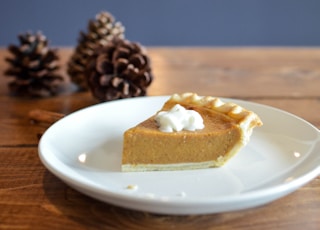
(32,198)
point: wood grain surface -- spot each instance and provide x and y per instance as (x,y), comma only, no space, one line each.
(33,198)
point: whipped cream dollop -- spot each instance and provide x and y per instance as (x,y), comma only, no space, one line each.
(178,118)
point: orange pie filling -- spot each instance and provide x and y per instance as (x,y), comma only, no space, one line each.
(227,128)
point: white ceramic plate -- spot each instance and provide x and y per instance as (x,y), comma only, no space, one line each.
(84,150)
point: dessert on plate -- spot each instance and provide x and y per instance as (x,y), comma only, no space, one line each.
(189,132)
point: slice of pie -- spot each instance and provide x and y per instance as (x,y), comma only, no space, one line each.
(227,128)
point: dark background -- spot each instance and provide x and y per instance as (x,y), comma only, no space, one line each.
(170,22)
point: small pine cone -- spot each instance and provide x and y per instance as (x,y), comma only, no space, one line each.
(119,70)
(33,66)
(100,32)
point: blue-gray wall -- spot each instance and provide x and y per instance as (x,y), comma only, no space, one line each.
(170,22)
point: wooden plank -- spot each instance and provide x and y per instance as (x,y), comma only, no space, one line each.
(237,71)
(31,196)
(18,130)
(232,72)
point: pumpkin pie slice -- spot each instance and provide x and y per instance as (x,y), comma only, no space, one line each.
(225,129)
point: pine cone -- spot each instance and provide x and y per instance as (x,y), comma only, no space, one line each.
(100,32)
(118,70)
(33,66)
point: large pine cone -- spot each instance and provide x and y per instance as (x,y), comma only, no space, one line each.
(33,66)
(118,70)
(100,31)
